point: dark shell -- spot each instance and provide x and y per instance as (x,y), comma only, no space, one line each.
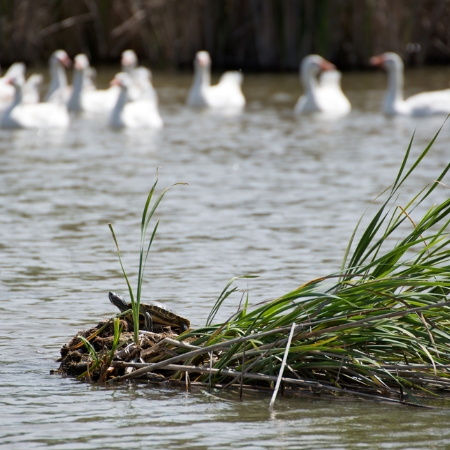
(160,312)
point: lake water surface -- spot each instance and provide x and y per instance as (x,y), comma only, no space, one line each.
(269,194)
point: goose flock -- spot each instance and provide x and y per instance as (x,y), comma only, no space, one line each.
(132,102)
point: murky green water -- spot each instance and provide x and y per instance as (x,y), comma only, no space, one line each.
(268,193)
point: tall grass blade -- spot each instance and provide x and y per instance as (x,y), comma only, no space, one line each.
(130,290)
(147,215)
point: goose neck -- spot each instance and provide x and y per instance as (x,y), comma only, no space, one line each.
(59,74)
(18,94)
(202,77)
(395,83)
(16,101)
(74,103)
(122,99)
(309,81)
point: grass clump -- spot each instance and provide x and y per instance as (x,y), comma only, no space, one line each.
(378,328)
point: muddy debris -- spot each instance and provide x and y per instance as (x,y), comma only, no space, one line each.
(96,362)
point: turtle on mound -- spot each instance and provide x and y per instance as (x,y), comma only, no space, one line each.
(153,312)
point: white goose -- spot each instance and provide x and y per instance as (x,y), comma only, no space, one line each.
(58,90)
(226,94)
(6,89)
(324,97)
(133,114)
(30,88)
(423,104)
(38,115)
(84,96)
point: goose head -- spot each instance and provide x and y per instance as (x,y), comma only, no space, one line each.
(202,59)
(311,66)
(389,61)
(14,69)
(17,80)
(59,58)
(129,61)
(202,69)
(81,62)
(393,64)
(87,73)
(123,80)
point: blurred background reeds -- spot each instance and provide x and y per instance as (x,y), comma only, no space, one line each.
(257,35)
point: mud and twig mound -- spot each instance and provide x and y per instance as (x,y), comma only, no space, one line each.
(97,358)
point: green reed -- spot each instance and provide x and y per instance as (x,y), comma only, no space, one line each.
(147,215)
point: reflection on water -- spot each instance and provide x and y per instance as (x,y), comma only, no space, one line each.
(269,194)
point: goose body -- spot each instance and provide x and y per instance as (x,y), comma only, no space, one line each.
(133,114)
(324,96)
(423,104)
(37,115)
(226,94)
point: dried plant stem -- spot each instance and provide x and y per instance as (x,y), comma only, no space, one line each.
(280,375)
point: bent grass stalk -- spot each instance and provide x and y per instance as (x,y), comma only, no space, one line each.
(143,253)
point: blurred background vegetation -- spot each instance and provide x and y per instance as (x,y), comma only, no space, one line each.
(249,34)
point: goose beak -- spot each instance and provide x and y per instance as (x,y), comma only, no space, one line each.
(326,65)
(202,61)
(376,61)
(66,62)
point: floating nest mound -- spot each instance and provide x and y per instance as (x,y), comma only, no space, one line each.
(102,360)
(306,359)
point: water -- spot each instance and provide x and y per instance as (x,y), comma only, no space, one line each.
(268,194)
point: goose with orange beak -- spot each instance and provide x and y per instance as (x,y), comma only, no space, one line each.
(325,96)
(423,104)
